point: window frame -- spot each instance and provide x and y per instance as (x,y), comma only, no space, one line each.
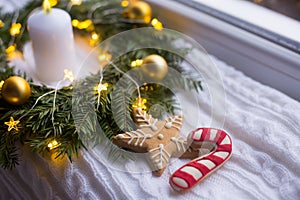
(241,21)
(258,57)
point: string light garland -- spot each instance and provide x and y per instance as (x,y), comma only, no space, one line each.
(76,2)
(15,29)
(157,24)
(10,51)
(1,84)
(53,145)
(95,39)
(69,75)
(86,24)
(34,117)
(2,24)
(12,124)
(104,56)
(140,103)
(95,36)
(36,102)
(136,63)
(127,75)
(124,3)
(100,87)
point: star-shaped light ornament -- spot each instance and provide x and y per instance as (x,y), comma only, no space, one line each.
(69,75)
(140,103)
(53,144)
(12,124)
(157,24)
(100,87)
(160,140)
(15,29)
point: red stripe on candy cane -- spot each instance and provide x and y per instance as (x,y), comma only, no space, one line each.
(195,171)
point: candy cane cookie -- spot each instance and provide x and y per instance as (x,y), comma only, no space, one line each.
(195,171)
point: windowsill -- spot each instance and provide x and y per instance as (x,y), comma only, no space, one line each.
(271,61)
(259,16)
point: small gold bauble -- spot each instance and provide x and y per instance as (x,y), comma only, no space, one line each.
(155,67)
(15,90)
(139,10)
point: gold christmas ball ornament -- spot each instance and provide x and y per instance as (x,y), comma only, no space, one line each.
(139,10)
(154,67)
(15,90)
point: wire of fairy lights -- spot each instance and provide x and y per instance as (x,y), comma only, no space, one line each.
(16,31)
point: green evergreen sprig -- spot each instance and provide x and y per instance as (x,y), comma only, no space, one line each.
(76,118)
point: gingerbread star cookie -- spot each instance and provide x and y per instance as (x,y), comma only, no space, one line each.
(160,140)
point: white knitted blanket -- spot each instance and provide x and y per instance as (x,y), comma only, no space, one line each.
(264,125)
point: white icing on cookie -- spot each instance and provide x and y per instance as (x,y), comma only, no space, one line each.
(138,135)
(160,156)
(149,121)
(160,136)
(173,122)
(181,144)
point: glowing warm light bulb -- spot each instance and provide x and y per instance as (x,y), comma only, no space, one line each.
(69,75)
(95,37)
(75,22)
(154,21)
(46,6)
(133,64)
(157,24)
(10,51)
(12,124)
(104,57)
(1,84)
(76,2)
(15,29)
(53,144)
(136,63)
(84,24)
(100,87)
(140,103)
(124,3)
(2,24)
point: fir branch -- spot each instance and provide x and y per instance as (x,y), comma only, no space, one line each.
(77,122)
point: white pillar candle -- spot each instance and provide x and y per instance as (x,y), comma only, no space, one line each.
(53,44)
